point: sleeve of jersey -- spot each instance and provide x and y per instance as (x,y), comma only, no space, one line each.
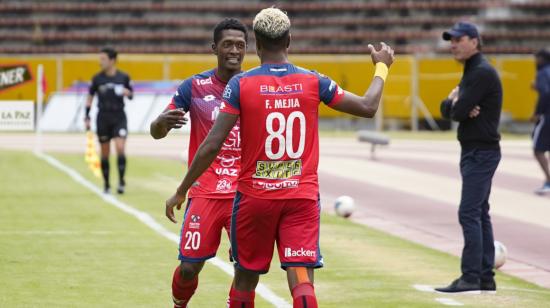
(182,98)
(231,97)
(128,85)
(93,87)
(329,91)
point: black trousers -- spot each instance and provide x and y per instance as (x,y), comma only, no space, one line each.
(477,168)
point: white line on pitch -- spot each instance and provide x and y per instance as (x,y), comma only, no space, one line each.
(448,301)
(144,217)
(441,300)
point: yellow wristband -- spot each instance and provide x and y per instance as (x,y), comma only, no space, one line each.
(381,71)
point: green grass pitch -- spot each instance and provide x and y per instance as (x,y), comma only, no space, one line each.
(62,246)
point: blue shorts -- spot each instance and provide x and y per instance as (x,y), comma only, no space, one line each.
(541,134)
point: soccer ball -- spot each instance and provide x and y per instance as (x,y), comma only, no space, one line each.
(500,254)
(344,206)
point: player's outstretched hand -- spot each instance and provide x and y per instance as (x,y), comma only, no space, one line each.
(175,201)
(384,54)
(173,118)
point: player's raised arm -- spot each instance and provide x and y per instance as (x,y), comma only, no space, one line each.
(367,105)
(203,159)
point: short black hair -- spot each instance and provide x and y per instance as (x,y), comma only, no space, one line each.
(229,24)
(544,54)
(273,44)
(110,52)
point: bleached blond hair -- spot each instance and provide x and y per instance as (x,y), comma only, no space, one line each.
(271,23)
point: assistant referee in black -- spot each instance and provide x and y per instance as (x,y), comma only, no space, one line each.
(476,104)
(111,86)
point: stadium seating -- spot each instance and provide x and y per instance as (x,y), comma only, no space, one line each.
(319,26)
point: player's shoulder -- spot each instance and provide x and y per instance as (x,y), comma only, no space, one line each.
(206,75)
(305,71)
(98,76)
(122,74)
(544,72)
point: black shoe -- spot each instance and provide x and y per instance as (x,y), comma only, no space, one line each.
(107,190)
(489,286)
(462,287)
(120,189)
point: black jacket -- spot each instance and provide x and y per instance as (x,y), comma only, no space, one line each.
(480,86)
(543,88)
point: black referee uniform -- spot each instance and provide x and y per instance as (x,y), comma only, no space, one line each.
(111,118)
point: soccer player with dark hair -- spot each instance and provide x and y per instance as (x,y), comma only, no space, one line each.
(111,86)
(277,198)
(541,116)
(211,197)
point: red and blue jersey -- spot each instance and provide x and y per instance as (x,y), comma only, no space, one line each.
(200,95)
(278,105)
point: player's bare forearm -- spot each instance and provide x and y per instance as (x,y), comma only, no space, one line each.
(365,106)
(208,150)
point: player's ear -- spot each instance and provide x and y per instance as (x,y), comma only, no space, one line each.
(215,48)
(258,48)
(288,40)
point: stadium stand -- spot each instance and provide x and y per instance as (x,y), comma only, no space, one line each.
(319,26)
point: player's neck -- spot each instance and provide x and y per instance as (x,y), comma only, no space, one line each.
(224,75)
(277,57)
(110,71)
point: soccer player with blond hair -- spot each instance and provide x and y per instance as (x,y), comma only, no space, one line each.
(277,200)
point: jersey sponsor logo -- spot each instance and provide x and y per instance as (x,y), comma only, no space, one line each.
(202,82)
(281,89)
(227,171)
(278,170)
(223,185)
(14,75)
(227,92)
(233,140)
(227,160)
(289,252)
(195,222)
(276,185)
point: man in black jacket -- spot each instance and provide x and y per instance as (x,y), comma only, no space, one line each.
(476,104)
